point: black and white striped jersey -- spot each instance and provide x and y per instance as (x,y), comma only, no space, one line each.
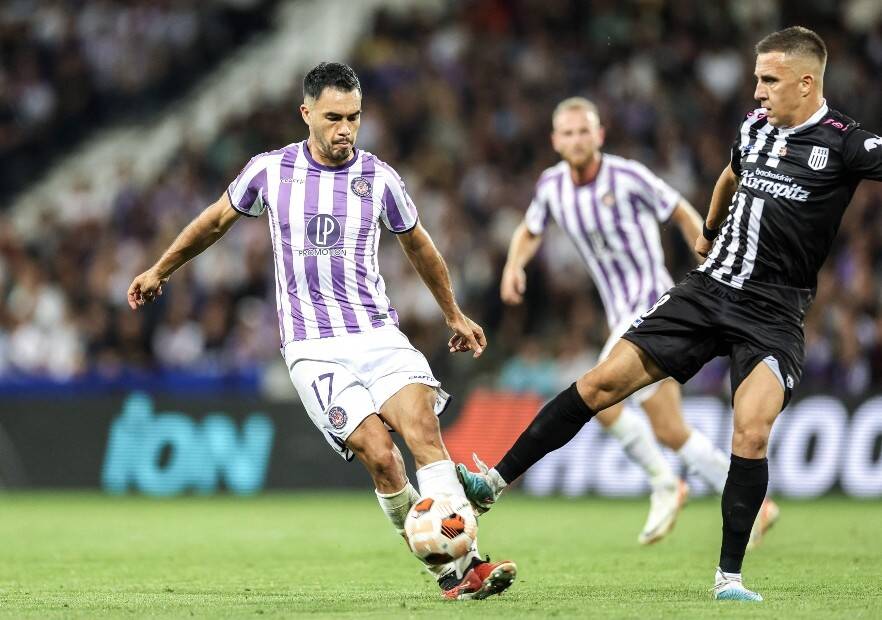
(794,186)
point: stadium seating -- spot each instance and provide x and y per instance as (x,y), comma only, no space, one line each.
(462,110)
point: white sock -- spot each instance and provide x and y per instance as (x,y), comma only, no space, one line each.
(439,477)
(397,505)
(496,480)
(640,445)
(704,460)
(729,576)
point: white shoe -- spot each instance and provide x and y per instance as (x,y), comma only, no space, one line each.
(728,587)
(768,515)
(665,504)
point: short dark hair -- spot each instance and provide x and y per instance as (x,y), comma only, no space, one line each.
(794,40)
(330,75)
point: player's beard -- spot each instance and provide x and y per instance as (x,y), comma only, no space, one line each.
(580,161)
(338,152)
(579,155)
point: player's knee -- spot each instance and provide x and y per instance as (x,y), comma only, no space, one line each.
(597,391)
(750,441)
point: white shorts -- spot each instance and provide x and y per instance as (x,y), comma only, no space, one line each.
(643,394)
(344,379)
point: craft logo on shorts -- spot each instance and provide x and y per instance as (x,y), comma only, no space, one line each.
(323,230)
(421,378)
(337,417)
(361,187)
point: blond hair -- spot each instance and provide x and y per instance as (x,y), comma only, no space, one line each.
(575,103)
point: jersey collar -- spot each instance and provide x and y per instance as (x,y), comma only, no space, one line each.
(315,164)
(814,119)
(592,182)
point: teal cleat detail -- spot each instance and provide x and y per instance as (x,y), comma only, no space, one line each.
(477,486)
(729,588)
(738,594)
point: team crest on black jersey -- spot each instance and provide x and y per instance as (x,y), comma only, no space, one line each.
(361,187)
(817,159)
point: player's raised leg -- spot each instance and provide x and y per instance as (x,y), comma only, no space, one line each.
(410,411)
(758,400)
(627,369)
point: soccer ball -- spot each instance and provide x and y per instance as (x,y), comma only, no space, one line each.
(441,528)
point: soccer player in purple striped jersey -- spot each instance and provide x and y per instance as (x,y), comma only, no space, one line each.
(610,207)
(356,374)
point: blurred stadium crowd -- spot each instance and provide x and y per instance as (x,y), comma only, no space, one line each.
(69,66)
(459,102)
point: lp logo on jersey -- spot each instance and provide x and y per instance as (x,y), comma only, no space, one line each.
(323,230)
(818,157)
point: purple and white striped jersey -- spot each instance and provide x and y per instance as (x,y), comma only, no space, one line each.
(324,224)
(613,222)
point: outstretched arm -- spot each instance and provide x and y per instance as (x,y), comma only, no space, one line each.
(208,227)
(523,247)
(425,258)
(719,207)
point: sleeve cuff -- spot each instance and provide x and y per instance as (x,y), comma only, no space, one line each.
(236,208)
(669,212)
(407,230)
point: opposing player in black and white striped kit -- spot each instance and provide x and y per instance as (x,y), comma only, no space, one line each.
(773,216)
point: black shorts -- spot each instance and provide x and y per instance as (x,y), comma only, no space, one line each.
(700,319)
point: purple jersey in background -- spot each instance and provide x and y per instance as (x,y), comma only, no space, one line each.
(324,224)
(613,222)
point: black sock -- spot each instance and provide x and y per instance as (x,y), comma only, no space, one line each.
(555,424)
(742,497)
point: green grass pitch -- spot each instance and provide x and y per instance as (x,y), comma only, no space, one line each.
(334,555)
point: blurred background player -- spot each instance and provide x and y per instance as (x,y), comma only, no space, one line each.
(610,208)
(355,372)
(795,165)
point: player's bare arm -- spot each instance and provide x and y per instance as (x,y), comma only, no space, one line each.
(719,207)
(687,220)
(523,247)
(429,264)
(201,233)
